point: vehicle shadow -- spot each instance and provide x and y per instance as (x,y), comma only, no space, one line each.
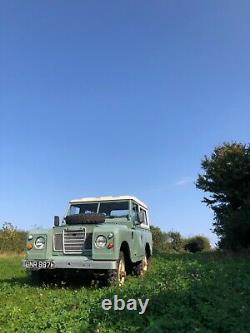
(54,280)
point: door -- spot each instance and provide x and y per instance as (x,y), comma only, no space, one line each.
(146,234)
(137,234)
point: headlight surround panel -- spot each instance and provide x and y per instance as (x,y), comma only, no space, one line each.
(101,241)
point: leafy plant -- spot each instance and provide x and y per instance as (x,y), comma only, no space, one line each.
(201,292)
(11,239)
(171,241)
(197,244)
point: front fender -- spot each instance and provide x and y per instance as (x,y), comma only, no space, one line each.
(121,234)
(36,253)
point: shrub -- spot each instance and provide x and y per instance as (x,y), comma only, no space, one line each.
(11,239)
(197,244)
(160,239)
(176,241)
(171,241)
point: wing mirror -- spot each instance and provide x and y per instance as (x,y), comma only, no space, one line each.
(56,221)
(141,217)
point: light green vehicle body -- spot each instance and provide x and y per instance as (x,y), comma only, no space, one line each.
(129,235)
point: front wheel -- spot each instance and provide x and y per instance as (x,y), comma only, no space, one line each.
(117,275)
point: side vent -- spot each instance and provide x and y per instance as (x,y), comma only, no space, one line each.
(58,242)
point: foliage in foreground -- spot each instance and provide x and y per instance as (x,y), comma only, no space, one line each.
(203,292)
(226,176)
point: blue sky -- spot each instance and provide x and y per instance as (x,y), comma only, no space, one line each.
(118,97)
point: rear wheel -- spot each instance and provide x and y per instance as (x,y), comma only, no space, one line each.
(141,267)
(118,275)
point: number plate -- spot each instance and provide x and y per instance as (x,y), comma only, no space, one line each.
(39,264)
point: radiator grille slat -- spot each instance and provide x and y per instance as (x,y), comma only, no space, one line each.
(73,241)
(86,242)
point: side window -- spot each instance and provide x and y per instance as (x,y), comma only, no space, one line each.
(135,211)
(145,215)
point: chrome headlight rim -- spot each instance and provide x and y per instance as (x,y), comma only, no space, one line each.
(101,241)
(40,242)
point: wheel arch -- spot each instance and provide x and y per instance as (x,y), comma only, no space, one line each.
(148,250)
(126,250)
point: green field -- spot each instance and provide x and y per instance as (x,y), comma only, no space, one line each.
(207,292)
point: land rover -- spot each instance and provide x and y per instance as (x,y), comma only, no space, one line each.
(109,236)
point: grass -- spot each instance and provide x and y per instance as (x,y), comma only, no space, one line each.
(207,292)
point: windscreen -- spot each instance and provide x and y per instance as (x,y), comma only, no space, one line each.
(86,208)
(116,209)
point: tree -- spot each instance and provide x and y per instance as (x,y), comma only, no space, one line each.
(227,178)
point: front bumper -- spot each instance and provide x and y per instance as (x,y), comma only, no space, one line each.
(75,263)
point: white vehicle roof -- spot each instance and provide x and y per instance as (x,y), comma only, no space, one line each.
(109,198)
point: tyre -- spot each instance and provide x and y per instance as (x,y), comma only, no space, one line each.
(141,267)
(117,276)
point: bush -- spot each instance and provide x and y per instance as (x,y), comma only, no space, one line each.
(173,242)
(167,242)
(176,241)
(197,244)
(160,239)
(11,239)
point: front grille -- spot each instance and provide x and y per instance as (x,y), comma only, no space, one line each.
(73,240)
(58,242)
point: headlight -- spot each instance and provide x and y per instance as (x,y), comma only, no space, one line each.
(40,243)
(101,241)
